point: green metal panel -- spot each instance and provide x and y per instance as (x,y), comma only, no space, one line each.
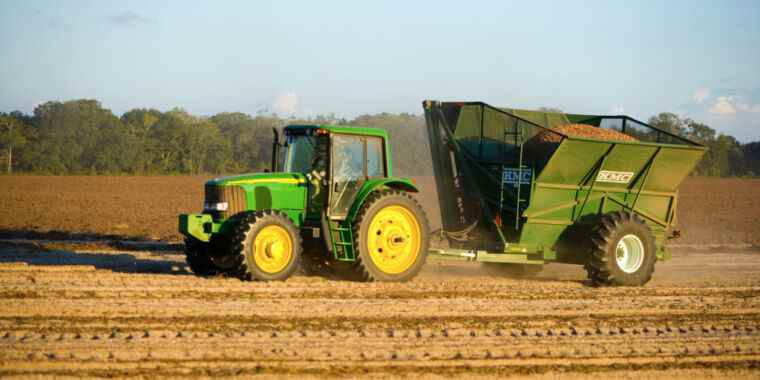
(286,192)
(192,225)
(276,196)
(371,185)
(259,178)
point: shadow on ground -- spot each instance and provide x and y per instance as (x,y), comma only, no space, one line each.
(63,235)
(124,262)
(91,240)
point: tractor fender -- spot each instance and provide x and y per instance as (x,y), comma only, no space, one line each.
(372,185)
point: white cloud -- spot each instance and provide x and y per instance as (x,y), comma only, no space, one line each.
(617,110)
(749,107)
(700,95)
(724,105)
(285,103)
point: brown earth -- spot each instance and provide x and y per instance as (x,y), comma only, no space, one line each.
(711,210)
(98,313)
(77,310)
(97,206)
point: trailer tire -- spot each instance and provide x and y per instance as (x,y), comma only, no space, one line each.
(267,246)
(622,251)
(197,258)
(386,251)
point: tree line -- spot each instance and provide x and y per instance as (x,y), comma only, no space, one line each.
(82,137)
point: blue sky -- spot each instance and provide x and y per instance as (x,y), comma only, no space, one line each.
(700,59)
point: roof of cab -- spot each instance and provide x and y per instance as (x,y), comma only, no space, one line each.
(344,129)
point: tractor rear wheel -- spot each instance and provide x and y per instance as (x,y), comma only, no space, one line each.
(622,251)
(267,246)
(198,259)
(390,237)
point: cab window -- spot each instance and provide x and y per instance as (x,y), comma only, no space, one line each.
(375,162)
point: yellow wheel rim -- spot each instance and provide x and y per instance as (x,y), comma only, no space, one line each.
(393,239)
(272,249)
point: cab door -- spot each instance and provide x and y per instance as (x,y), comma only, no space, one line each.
(355,159)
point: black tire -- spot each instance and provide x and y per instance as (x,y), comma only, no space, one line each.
(364,267)
(219,253)
(603,267)
(242,245)
(513,270)
(197,257)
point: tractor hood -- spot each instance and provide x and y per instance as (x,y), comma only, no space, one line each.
(259,179)
(253,192)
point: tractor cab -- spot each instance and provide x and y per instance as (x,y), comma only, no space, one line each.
(337,162)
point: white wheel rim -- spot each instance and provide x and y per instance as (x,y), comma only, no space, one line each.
(629,253)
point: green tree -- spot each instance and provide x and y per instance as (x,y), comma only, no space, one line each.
(669,122)
(699,132)
(68,136)
(751,159)
(724,155)
(250,139)
(139,123)
(190,145)
(11,136)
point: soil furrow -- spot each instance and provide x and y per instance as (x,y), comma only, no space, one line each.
(93,313)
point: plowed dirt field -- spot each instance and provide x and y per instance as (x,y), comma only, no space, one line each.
(86,310)
(710,210)
(74,312)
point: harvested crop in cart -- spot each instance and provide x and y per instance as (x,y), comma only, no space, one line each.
(583,131)
(545,142)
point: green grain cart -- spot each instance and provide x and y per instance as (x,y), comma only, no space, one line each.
(607,205)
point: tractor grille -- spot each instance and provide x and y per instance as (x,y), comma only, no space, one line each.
(233,195)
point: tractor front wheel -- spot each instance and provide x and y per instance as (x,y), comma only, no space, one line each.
(267,245)
(390,237)
(622,251)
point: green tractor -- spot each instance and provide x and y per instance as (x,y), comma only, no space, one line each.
(330,197)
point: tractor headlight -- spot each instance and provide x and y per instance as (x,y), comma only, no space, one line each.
(215,206)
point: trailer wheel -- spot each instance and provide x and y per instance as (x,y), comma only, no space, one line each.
(390,237)
(622,251)
(197,257)
(267,246)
